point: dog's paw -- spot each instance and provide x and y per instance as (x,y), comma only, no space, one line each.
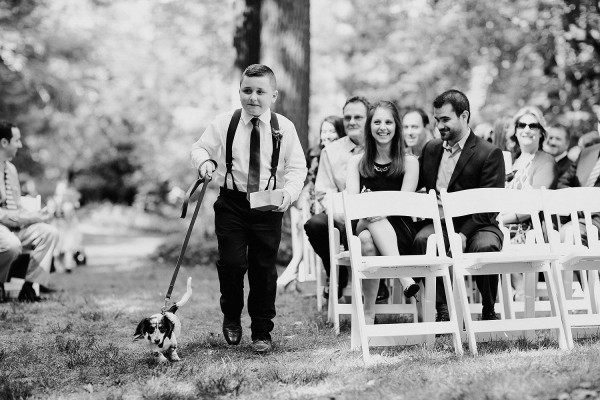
(160,358)
(172,355)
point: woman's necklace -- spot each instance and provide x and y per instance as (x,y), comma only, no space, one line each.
(383,168)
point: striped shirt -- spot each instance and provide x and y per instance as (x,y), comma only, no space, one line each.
(10,203)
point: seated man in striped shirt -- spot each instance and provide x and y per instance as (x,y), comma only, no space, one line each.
(20,228)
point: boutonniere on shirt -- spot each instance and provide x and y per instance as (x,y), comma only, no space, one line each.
(278,135)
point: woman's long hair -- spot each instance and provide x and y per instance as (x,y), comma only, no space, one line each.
(367,162)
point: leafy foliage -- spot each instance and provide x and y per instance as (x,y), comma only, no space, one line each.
(503,54)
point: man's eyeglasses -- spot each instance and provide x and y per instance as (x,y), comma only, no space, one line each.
(348,118)
(532,126)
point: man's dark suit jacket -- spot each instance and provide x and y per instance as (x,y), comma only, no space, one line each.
(481,165)
(579,171)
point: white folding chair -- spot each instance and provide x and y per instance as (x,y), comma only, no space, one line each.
(532,257)
(431,265)
(574,255)
(304,265)
(338,258)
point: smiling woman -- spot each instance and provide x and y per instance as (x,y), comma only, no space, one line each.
(533,168)
(384,166)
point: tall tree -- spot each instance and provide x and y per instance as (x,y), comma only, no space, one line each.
(284,44)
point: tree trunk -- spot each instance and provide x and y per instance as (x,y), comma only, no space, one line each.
(277,33)
(246,38)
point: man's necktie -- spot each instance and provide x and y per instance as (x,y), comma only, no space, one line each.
(591,181)
(254,164)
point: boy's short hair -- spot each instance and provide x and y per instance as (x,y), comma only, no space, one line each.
(260,70)
(6,130)
(457,99)
(358,99)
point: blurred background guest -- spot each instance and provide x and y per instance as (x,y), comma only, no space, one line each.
(484,130)
(501,133)
(332,128)
(533,168)
(415,127)
(557,145)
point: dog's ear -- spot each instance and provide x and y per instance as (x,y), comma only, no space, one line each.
(169,325)
(139,331)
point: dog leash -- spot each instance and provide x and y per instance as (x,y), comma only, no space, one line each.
(184,208)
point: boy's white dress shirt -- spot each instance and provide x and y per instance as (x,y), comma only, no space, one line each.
(291,171)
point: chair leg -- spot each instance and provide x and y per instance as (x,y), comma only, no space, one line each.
(333,296)
(507,295)
(315,268)
(556,295)
(459,281)
(359,309)
(593,287)
(428,305)
(452,311)
(530,297)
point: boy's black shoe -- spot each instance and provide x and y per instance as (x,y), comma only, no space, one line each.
(232,330)
(28,295)
(262,346)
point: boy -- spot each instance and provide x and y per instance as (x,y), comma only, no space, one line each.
(248,147)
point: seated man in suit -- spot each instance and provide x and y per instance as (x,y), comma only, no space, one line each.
(460,161)
(583,172)
(20,228)
(557,145)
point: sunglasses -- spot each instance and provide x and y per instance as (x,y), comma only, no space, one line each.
(532,126)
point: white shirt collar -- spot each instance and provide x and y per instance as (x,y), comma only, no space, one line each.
(264,117)
(560,156)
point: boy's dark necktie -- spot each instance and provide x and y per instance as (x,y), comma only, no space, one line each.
(254,164)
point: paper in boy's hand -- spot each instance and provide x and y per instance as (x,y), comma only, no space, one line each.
(266,200)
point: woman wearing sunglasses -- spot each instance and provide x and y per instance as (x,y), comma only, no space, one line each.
(532,168)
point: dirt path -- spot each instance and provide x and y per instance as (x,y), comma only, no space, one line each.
(118,252)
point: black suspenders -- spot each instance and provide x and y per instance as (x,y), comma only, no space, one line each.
(235,120)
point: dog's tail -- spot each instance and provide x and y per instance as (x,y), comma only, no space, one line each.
(186,296)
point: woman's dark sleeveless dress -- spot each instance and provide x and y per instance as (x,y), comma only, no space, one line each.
(404,226)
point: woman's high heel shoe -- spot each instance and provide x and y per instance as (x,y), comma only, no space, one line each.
(412,290)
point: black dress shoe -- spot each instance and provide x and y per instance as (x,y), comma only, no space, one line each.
(412,290)
(383,294)
(262,346)
(28,295)
(233,334)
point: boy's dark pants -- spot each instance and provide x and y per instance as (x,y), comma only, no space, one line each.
(248,240)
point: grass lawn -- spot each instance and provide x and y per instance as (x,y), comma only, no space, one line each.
(78,345)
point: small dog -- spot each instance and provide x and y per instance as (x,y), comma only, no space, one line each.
(162,330)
